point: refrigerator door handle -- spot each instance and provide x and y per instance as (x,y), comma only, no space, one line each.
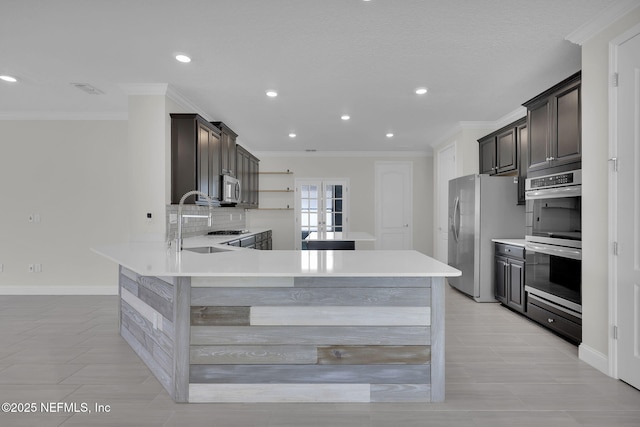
(456,214)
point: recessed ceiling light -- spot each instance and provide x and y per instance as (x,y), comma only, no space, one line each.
(272,93)
(345,117)
(183,58)
(421,90)
(390,135)
(8,79)
(292,135)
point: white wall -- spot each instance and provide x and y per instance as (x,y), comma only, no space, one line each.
(359,168)
(73,174)
(595,137)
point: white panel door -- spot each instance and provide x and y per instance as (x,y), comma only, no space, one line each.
(394,205)
(628,211)
(446,172)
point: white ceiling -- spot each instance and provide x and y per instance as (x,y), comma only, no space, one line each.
(479,59)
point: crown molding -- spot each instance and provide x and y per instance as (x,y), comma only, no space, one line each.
(426,153)
(511,117)
(588,30)
(51,115)
(175,95)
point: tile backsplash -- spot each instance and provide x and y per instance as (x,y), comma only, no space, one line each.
(222,219)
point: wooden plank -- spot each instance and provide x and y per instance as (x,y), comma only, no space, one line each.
(400,393)
(320,335)
(181,322)
(132,319)
(306,374)
(437,340)
(340,315)
(362,282)
(253,355)
(374,354)
(391,297)
(219,316)
(129,274)
(129,284)
(155,301)
(279,393)
(157,286)
(242,282)
(140,306)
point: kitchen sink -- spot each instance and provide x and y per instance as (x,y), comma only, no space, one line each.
(206,249)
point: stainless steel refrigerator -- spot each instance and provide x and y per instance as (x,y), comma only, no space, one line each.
(481,208)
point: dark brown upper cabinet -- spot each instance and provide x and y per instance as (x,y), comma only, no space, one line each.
(195,158)
(227,149)
(247,166)
(499,151)
(554,123)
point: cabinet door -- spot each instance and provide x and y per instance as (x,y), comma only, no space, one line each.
(215,185)
(500,278)
(254,166)
(515,290)
(506,151)
(566,141)
(523,155)
(539,125)
(488,156)
(204,160)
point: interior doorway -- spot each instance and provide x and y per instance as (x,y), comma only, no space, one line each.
(321,207)
(625,209)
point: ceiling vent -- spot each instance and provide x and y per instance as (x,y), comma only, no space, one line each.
(86,87)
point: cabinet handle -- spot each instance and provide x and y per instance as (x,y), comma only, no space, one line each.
(550,320)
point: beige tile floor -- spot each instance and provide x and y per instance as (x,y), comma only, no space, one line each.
(502,370)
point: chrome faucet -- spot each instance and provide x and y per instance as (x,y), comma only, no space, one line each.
(180,215)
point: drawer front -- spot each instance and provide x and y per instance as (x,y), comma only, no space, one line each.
(509,250)
(248,241)
(554,321)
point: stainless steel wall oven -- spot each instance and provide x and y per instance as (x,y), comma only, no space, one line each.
(554,251)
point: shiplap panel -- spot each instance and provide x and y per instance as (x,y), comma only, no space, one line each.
(132,318)
(305,374)
(371,355)
(321,335)
(242,282)
(340,315)
(219,316)
(155,301)
(363,282)
(255,355)
(392,297)
(279,393)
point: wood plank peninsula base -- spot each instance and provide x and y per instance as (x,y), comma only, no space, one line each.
(323,336)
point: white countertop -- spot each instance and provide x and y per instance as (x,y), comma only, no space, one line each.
(355,236)
(514,242)
(156,259)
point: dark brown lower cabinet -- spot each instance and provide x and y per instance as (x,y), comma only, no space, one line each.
(509,271)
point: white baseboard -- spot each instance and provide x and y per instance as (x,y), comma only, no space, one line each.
(594,358)
(59,290)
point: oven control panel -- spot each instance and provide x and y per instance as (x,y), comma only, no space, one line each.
(555,180)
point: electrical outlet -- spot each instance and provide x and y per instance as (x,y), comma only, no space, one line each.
(173,218)
(36,218)
(37,268)
(1,268)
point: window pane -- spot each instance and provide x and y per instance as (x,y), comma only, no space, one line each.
(338,191)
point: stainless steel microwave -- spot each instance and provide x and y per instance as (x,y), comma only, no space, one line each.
(231,190)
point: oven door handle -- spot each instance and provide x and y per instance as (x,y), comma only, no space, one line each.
(552,193)
(563,252)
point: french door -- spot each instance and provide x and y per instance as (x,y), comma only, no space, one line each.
(321,208)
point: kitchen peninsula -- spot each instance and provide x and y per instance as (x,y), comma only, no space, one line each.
(244,325)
